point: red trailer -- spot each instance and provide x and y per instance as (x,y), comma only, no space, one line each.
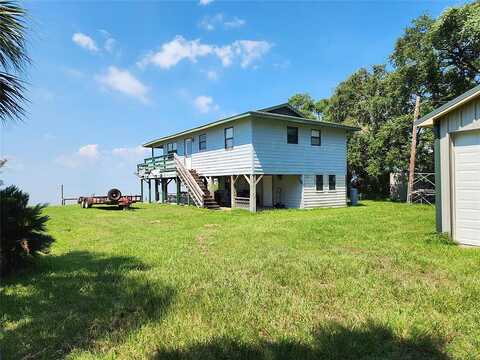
(114,197)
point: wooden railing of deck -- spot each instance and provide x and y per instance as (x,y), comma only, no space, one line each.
(164,163)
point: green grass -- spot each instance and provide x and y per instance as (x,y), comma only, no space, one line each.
(168,282)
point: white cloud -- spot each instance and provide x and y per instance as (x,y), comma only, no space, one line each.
(212,75)
(89,151)
(234,23)
(124,82)
(219,20)
(86,154)
(205,104)
(131,152)
(250,50)
(84,41)
(110,44)
(172,52)
(205,2)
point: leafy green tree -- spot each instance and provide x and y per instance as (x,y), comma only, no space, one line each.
(308,106)
(13,59)
(440,58)
(437,59)
(23,229)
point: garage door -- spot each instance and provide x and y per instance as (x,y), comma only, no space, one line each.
(467,187)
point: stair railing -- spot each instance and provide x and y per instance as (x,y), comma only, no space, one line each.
(187,178)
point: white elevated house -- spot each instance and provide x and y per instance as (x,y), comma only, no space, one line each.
(273,157)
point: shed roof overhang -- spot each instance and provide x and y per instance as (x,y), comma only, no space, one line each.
(429,119)
(262,114)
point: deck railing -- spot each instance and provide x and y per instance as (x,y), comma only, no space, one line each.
(163,163)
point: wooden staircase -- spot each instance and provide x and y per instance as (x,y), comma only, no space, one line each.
(195,186)
(208,200)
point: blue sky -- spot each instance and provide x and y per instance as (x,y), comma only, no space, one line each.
(108,76)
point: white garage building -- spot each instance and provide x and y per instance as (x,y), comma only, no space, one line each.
(456,127)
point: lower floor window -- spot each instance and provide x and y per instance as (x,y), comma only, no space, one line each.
(331,182)
(319,182)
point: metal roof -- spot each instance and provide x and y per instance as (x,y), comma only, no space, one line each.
(428,119)
(260,114)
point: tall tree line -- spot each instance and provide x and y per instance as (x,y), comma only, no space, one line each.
(437,59)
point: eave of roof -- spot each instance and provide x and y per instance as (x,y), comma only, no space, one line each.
(256,114)
(428,120)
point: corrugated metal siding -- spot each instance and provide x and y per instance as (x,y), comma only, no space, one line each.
(327,198)
(272,154)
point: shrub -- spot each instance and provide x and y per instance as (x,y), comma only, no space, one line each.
(22,229)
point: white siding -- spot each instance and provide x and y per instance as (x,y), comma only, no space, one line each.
(326,198)
(260,147)
(216,160)
(272,154)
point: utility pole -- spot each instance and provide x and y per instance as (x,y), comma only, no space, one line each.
(413,151)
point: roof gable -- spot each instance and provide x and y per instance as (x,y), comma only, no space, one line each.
(283,109)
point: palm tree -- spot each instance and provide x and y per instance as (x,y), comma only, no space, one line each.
(22,234)
(13,59)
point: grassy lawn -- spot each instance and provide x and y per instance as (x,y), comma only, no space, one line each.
(168,282)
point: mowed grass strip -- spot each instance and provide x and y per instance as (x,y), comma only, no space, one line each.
(172,282)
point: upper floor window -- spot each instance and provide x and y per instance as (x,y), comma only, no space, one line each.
(202,142)
(315,138)
(228,138)
(332,181)
(292,135)
(319,182)
(171,147)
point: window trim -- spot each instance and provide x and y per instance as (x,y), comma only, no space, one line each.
(322,188)
(330,177)
(319,137)
(230,138)
(200,142)
(296,128)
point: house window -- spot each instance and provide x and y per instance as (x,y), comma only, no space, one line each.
(319,182)
(315,138)
(228,138)
(202,142)
(292,135)
(171,147)
(331,182)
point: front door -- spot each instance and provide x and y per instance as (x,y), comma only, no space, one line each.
(188,153)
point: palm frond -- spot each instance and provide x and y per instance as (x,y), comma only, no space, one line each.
(13,52)
(11,97)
